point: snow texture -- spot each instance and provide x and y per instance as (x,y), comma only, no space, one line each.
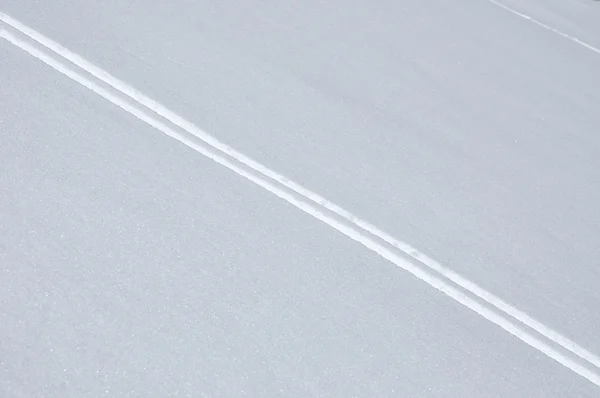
(132,266)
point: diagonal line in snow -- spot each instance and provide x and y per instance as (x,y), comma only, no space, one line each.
(352,233)
(543,25)
(407,249)
(312,210)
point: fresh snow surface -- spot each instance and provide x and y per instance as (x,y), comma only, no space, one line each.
(132,265)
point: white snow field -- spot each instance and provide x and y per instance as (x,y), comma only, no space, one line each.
(296,199)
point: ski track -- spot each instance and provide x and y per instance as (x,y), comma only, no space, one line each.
(193,135)
(543,25)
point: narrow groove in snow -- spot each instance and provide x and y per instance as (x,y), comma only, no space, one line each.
(543,25)
(364,233)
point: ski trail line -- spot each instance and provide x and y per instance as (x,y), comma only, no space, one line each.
(184,124)
(354,234)
(543,25)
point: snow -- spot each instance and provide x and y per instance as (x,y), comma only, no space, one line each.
(132,266)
